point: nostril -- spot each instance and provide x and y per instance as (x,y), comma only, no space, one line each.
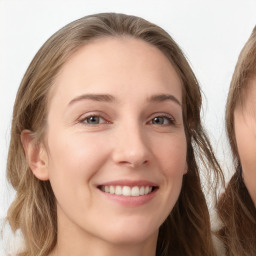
(145,162)
(135,164)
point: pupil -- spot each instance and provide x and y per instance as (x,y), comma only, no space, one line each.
(93,119)
(158,120)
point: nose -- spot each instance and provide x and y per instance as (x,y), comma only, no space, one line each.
(131,147)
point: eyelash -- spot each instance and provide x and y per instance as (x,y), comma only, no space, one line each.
(169,119)
(86,118)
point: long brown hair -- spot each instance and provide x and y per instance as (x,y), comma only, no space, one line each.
(186,231)
(235,207)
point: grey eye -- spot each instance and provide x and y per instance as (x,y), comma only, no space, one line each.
(161,120)
(94,120)
(158,120)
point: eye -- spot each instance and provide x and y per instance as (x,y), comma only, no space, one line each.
(93,120)
(162,120)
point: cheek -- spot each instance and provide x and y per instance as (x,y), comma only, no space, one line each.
(172,161)
(74,157)
(74,160)
(173,156)
(174,166)
(246,144)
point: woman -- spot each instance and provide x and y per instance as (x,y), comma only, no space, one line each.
(236,206)
(105,133)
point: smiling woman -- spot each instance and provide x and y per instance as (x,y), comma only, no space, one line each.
(105,132)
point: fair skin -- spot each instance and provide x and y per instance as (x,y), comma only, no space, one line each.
(245,132)
(114,125)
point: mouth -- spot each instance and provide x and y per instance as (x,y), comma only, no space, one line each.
(131,191)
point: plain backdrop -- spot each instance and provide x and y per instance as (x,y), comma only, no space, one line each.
(211,34)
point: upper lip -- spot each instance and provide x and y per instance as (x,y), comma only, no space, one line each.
(130,183)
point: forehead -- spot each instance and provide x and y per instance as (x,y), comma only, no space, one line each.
(113,63)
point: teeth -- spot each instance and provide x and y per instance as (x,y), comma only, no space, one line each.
(107,189)
(135,191)
(142,191)
(118,190)
(127,191)
(111,190)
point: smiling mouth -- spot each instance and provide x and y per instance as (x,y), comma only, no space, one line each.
(135,191)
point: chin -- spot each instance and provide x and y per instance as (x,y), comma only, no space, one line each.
(131,233)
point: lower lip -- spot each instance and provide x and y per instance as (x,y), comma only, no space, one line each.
(130,201)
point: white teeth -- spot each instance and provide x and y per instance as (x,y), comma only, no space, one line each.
(111,190)
(142,191)
(127,191)
(135,191)
(118,190)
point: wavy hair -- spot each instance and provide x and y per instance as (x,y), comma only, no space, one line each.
(235,207)
(186,231)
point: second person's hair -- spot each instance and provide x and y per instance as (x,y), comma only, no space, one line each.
(235,207)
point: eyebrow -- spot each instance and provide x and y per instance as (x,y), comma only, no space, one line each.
(110,98)
(94,97)
(164,97)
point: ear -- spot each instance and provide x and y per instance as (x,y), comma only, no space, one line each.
(36,155)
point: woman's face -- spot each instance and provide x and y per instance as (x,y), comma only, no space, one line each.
(116,147)
(245,132)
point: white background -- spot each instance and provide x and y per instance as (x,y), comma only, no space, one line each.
(211,34)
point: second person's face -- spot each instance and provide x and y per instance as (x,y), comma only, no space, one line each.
(245,132)
(116,141)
